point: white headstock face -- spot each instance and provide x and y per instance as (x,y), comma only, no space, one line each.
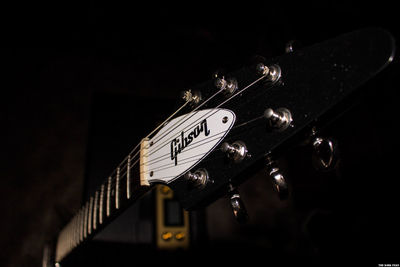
(184,142)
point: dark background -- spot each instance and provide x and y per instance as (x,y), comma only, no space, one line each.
(57,56)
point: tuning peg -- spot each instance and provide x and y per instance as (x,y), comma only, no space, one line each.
(193,97)
(325,152)
(279,119)
(237,205)
(292,45)
(227,84)
(198,179)
(236,151)
(272,72)
(278,180)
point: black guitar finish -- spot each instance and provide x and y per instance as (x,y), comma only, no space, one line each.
(314,81)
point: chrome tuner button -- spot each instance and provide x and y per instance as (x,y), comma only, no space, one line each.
(262,69)
(325,153)
(198,179)
(236,151)
(193,97)
(279,119)
(272,73)
(292,46)
(228,86)
(237,205)
(278,180)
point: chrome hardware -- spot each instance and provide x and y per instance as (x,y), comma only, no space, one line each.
(237,151)
(279,119)
(193,97)
(229,85)
(278,180)
(272,72)
(237,205)
(292,45)
(289,47)
(325,152)
(262,69)
(198,179)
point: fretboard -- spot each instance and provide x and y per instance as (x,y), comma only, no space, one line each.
(115,194)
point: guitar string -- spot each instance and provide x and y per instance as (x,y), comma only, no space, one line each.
(212,110)
(222,103)
(71,224)
(167,155)
(124,176)
(196,144)
(125,166)
(162,124)
(191,114)
(122,166)
(163,167)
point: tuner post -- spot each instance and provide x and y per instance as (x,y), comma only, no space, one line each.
(227,85)
(273,72)
(192,97)
(236,151)
(198,179)
(279,119)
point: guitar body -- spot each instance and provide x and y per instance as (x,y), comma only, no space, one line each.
(255,112)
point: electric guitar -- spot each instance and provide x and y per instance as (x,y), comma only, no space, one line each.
(231,125)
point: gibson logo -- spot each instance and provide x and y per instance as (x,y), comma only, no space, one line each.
(180,143)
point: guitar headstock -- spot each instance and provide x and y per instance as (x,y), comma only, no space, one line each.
(238,121)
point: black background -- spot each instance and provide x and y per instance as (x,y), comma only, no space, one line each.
(56,56)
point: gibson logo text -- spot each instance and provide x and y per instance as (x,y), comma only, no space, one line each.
(180,143)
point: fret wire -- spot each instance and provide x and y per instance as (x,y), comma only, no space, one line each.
(101,204)
(123,175)
(173,114)
(84,213)
(74,242)
(89,225)
(95,209)
(129,155)
(85,220)
(117,189)
(80,226)
(128,178)
(185,119)
(108,200)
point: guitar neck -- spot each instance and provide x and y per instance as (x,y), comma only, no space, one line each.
(121,189)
